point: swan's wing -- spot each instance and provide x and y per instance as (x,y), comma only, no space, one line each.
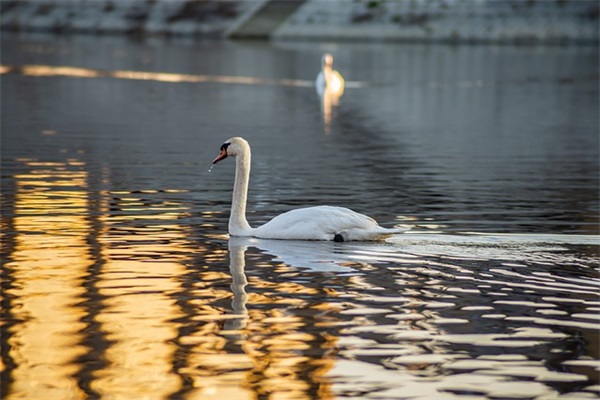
(320,83)
(320,223)
(337,83)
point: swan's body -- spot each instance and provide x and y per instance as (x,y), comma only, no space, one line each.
(321,223)
(311,223)
(329,80)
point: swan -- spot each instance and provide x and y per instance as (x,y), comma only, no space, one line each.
(329,79)
(311,223)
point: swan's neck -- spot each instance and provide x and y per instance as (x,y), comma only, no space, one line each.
(238,225)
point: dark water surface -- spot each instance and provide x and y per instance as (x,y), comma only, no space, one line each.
(119,280)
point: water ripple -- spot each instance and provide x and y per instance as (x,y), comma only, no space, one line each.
(119,281)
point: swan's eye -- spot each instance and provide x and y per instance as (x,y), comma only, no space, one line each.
(224,146)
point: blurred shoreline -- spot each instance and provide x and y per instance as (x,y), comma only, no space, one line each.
(454,21)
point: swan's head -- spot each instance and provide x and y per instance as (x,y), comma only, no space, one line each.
(232,147)
(327,60)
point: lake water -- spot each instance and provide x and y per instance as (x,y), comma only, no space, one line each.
(119,280)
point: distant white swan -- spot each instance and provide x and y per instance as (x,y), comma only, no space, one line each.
(311,223)
(329,79)
(330,87)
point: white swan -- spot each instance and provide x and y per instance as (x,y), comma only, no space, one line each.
(329,79)
(311,223)
(330,87)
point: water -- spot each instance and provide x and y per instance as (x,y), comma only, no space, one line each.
(119,280)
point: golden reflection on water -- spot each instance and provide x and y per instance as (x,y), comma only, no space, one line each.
(253,351)
(48,263)
(76,72)
(222,341)
(217,372)
(141,272)
(111,297)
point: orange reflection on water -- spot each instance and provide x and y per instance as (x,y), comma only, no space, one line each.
(76,72)
(48,265)
(217,365)
(141,272)
(259,349)
(167,329)
(47,70)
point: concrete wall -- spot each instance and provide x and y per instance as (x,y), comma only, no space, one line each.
(522,21)
(161,17)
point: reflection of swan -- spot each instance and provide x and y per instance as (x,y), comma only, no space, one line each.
(329,79)
(305,254)
(237,264)
(311,223)
(316,256)
(330,87)
(326,103)
(407,249)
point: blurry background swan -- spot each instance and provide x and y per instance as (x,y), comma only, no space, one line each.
(330,87)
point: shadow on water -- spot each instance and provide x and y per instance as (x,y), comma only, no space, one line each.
(118,280)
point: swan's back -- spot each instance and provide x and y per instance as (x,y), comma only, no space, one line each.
(332,81)
(322,223)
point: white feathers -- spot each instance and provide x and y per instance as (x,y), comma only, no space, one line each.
(311,223)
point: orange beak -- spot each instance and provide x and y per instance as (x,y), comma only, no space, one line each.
(221,156)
